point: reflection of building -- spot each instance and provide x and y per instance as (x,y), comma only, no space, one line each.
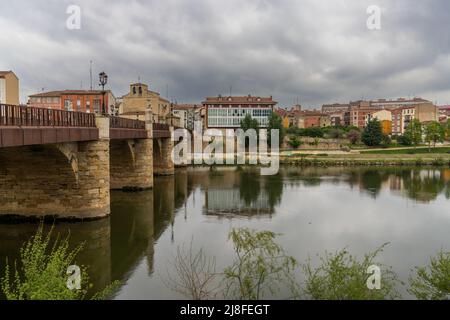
(230,201)
(9,88)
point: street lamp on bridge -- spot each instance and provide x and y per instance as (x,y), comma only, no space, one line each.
(103,77)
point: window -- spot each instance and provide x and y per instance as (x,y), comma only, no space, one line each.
(97,105)
(68,105)
(88,106)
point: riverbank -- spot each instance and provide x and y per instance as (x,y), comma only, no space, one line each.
(353,159)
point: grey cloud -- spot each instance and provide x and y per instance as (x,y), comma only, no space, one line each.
(319,51)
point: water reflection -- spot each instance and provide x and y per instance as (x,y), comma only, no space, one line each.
(145,227)
(244,192)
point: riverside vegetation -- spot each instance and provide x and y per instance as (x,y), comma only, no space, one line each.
(262,269)
(41,272)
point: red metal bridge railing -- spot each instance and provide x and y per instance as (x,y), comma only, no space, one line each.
(13,115)
(125,123)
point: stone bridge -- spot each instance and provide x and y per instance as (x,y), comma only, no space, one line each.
(64,164)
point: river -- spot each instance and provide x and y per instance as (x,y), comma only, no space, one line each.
(313,209)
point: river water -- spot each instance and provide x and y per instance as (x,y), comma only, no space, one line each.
(314,210)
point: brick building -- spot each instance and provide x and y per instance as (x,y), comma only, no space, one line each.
(90,101)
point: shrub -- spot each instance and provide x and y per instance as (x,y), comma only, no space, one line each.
(385,141)
(354,136)
(404,140)
(335,133)
(341,276)
(294,142)
(433,281)
(41,272)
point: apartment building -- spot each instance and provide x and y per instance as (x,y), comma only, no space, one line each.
(188,114)
(90,101)
(229,111)
(9,88)
(402,117)
(398,103)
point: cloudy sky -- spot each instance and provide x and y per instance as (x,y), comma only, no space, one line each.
(320,51)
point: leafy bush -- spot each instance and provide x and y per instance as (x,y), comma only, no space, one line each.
(294,142)
(385,141)
(41,273)
(335,133)
(433,281)
(404,140)
(340,276)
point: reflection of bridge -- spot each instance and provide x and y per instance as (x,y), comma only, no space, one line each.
(56,162)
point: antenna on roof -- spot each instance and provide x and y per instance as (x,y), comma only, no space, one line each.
(231,89)
(90,72)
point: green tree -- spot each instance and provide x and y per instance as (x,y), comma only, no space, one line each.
(447,129)
(249,123)
(434,133)
(275,122)
(372,134)
(41,272)
(414,132)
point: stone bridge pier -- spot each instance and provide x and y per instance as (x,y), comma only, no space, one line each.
(131,162)
(68,172)
(68,180)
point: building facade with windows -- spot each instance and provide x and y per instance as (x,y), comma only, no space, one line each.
(402,117)
(139,99)
(228,112)
(188,114)
(9,88)
(90,101)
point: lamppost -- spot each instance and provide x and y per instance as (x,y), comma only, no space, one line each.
(103,81)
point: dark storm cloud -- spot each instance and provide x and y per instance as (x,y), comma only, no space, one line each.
(319,51)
